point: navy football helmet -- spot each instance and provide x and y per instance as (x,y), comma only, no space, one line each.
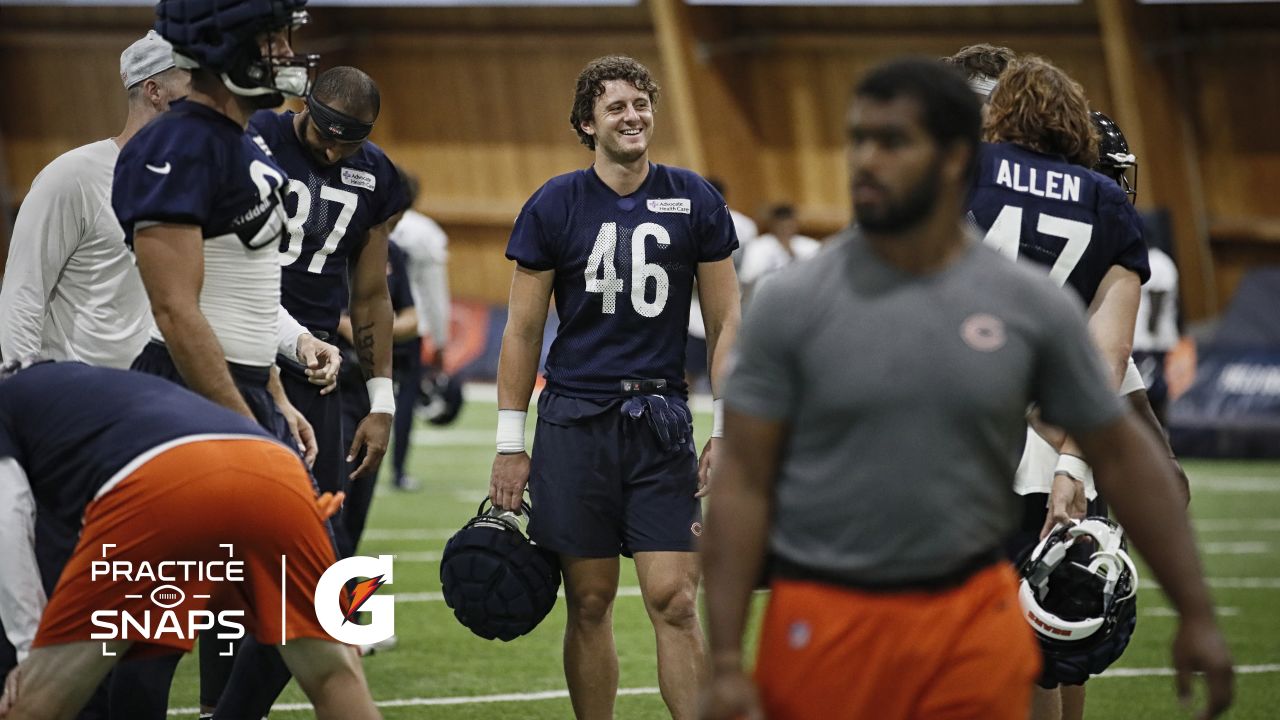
(439,397)
(1114,159)
(224,36)
(1079,593)
(498,582)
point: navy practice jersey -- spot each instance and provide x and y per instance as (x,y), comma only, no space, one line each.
(73,426)
(624,271)
(195,166)
(331,210)
(1072,220)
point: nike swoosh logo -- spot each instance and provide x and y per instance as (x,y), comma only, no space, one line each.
(161,170)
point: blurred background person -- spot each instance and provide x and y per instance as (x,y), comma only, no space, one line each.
(424,249)
(778,248)
(72,291)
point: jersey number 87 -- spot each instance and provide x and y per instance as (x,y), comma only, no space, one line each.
(346,199)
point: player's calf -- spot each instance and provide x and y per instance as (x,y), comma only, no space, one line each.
(54,682)
(330,675)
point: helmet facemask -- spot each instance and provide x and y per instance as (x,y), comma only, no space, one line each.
(267,78)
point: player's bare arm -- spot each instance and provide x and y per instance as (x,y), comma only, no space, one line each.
(1138,480)
(371,322)
(721,314)
(517,372)
(171,261)
(303,434)
(1112,315)
(733,548)
(405,325)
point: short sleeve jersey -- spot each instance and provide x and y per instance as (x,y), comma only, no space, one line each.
(1073,221)
(624,271)
(331,209)
(905,399)
(72,427)
(195,166)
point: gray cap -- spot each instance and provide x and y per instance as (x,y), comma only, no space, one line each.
(147,57)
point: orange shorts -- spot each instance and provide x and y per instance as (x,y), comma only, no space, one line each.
(839,654)
(151,565)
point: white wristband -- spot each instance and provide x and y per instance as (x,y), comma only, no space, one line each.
(511,431)
(717,417)
(1077,469)
(382,398)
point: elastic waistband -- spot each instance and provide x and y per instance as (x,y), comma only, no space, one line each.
(251,375)
(786,569)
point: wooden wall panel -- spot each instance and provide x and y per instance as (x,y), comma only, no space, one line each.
(476,99)
(1238,116)
(797,88)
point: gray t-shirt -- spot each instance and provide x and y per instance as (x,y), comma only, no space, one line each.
(905,398)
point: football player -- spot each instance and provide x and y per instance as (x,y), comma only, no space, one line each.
(618,245)
(1036,202)
(199,202)
(982,65)
(341,192)
(155,473)
(883,501)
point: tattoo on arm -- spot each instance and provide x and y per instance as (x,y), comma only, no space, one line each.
(364,349)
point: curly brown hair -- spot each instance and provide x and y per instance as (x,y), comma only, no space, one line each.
(591,85)
(1040,107)
(981,59)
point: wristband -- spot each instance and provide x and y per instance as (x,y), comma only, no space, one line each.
(1076,469)
(511,431)
(717,418)
(382,398)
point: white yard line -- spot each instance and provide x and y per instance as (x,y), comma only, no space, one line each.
(1170,612)
(1237,484)
(1237,525)
(561,694)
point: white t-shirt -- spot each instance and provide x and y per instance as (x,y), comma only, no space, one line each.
(766,254)
(1160,333)
(427,246)
(71,290)
(745,228)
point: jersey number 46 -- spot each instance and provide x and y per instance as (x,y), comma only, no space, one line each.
(602,276)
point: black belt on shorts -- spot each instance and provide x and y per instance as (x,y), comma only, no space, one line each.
(644,386)
(782,568)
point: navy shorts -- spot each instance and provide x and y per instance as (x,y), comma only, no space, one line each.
(250,381)
(604,483)
(324,412)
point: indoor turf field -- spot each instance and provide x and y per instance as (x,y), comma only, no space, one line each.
(440,670)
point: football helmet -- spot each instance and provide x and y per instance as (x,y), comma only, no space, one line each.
(439,397)
(498,582)
(1079,593)
(1114,159)
(224,36)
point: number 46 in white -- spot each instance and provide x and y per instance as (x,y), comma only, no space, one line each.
(603,278)
(1006,234)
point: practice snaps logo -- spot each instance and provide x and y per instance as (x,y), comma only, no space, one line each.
(160,614)
(363,598)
